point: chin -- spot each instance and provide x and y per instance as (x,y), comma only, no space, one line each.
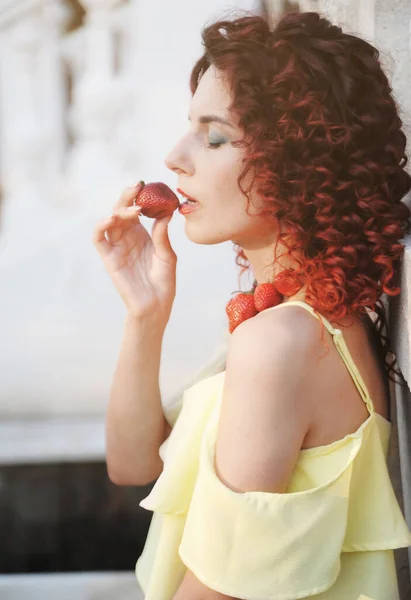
(203,235)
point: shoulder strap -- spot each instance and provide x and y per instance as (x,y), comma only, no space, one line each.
(342,349)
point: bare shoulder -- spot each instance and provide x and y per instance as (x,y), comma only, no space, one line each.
(289,337)
(265,415)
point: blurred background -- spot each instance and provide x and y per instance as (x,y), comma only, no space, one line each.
(93,94)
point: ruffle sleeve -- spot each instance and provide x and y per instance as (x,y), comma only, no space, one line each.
(262,546)
(171,494)
(259,545)
(215,366)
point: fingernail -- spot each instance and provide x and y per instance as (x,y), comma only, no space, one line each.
(139,183)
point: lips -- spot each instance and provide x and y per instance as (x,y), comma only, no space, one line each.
(186,196)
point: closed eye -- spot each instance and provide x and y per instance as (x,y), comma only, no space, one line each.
(214,145)
(215,141)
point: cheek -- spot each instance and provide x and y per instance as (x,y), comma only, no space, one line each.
(225,166)
(226,191)
(223,193)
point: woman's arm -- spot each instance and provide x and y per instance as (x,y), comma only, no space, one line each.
(264,416)
(192,589)
(135,424)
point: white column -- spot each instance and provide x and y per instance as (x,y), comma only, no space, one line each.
(31,113)
(357,16)
(275,9)
(94,172)
(308,5)
(23,141)
(51,77)
(128,134)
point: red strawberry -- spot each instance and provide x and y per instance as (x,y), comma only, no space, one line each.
(287,284)
(157,200)
(239,309)
(265,296)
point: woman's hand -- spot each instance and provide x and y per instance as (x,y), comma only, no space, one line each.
(143,268)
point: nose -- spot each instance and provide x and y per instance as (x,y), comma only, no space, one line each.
(179,160)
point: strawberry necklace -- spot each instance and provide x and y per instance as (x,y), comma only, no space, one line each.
(265,295)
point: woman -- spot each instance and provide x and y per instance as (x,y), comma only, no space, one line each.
(274,482)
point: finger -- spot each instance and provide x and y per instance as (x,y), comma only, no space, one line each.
(101,227)
(123,220)
(109,231)
(128,213)
(115,228)
(161,240)
(101,237)
(128,195)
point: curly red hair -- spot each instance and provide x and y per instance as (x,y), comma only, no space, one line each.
(325,147)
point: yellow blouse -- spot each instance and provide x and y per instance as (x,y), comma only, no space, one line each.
(330,536)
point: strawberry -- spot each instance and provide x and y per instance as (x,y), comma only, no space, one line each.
(157,200)
(286,283)
(265,296)
(239,309)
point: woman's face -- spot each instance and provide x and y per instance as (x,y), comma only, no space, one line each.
(208,167)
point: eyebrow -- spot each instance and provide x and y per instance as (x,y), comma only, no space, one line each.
(213,119)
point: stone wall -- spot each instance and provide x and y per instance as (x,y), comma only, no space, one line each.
(387,24)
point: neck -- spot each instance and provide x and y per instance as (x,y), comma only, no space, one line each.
(267,262)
